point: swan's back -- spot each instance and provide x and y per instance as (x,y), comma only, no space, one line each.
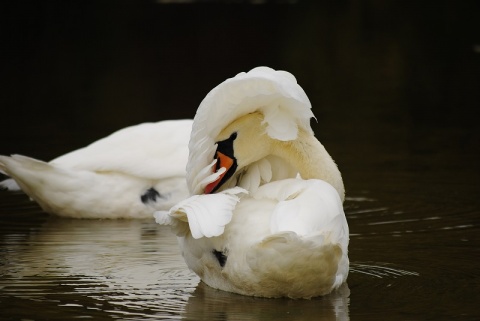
(149,150)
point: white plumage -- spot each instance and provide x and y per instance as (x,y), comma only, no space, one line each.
(274,224)
(129,174)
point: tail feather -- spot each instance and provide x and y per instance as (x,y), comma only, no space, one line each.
(307,265)
(49,185)
(20,169)
(7,183)
(2,165)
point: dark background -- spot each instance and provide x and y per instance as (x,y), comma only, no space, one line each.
(74,71)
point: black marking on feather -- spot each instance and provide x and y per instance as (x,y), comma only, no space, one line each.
(221,257)
(150,195)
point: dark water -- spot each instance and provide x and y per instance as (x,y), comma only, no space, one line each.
(394,85)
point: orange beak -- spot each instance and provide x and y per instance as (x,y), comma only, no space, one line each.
(222,161)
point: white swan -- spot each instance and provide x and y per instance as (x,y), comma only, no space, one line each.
(129,174)
(265,217)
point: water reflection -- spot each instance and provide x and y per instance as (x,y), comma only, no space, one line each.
(210,304)
(122,267)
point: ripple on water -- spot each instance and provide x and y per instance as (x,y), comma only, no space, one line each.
(429,242)
(132,269)
(397,214)
(380,270)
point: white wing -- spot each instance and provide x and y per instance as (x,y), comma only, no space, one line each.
(206,215)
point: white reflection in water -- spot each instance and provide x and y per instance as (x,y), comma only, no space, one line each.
(406,220)
(133,264)
(207,303)
(359,199)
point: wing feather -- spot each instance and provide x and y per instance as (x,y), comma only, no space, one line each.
(206,215)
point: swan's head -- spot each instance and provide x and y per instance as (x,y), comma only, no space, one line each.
(252,129)
(241,143)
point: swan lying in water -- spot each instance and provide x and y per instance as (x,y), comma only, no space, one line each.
(129,174)
(265,217)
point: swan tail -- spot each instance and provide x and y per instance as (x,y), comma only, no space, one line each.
(309,265)
(7,182)
(16,167)
(24,173)
(39,180)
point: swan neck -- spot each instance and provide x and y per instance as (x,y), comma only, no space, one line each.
(312,160)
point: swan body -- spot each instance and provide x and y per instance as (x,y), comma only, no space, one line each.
(129,174)
(265,217)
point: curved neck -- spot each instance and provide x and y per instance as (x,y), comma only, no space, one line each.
(311,159)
